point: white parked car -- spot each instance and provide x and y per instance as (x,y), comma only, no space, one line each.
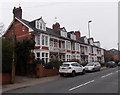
(93,66)
(71,68)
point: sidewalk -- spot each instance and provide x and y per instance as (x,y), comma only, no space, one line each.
(22,81)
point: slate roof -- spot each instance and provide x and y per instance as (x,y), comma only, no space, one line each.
(52,32)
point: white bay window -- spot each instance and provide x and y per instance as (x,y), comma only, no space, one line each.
(45,40)
(37,39)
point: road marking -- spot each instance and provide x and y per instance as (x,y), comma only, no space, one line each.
(106,75)
(81,85)
(117,70)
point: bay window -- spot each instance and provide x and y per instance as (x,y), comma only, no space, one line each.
(44,40)
(37,39)
(45,57)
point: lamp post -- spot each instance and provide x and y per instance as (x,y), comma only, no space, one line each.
(89,27)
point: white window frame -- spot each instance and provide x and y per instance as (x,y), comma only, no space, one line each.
(37,37)
(63,46)
(38,57)
(45,58)
(77,46)
(44,40)
(40,25)
(68,45)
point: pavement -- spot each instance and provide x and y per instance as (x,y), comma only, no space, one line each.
(23,81)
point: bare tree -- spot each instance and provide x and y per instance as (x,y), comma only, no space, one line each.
(1,29)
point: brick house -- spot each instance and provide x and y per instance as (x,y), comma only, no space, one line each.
(112,54)
(56,41)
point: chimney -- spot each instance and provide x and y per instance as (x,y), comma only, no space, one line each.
(17,12)
(78,34)
(56,26)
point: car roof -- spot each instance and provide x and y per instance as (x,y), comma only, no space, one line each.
(93,62)
(69,62)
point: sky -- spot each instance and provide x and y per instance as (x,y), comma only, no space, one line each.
(71,14)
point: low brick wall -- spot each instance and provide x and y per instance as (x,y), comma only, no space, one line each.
(42,72)
(5,78)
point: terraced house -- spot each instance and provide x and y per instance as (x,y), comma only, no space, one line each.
(56,41)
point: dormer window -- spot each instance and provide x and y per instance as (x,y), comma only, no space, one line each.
(37,24)
(63,32)
(40,24)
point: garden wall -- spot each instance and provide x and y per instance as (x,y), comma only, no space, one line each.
(42,72)
(5,78)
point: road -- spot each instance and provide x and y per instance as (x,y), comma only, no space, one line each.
(104,81)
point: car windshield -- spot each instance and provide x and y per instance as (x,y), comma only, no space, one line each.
(65,65)
(110,62)
(90,64)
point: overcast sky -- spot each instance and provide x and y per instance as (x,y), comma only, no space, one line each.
(73,16)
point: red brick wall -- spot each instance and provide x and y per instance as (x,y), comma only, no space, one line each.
(116,57)
(41,71)
(4,78)
(18,31)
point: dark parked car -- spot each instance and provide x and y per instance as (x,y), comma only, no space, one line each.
(118,63)
(111,64)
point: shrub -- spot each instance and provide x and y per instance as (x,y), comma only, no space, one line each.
(54,63)
(39,62)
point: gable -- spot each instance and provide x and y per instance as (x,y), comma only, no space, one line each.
(20,22)
(40,24)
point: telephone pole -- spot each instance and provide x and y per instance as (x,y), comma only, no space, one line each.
(13,62)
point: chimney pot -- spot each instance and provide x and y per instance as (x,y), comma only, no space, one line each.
(78,34)
(56,26)
(17,12)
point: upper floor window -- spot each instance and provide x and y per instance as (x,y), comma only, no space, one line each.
(37,24)
(40,24)
(68,45)
(63,44)
(64,34)
(77,47)
(44,40)
(51,43)
(23,28)
(73,46)
(55,43)
(38,40)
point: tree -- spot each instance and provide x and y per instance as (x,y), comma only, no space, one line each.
(7,58)
(23,50)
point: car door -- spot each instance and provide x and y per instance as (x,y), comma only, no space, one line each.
(76,67)
(79,68)
(96,66)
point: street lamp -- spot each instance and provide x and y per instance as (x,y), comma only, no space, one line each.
(89,27)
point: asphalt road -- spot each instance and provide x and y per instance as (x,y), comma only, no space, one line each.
(104,81)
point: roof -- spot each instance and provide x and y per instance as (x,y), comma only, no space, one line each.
(50,31)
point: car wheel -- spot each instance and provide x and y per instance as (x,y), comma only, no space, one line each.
(93,69)
(61,74)
(73,73)
(83,72)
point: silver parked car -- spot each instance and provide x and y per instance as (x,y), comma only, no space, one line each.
(93,66)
